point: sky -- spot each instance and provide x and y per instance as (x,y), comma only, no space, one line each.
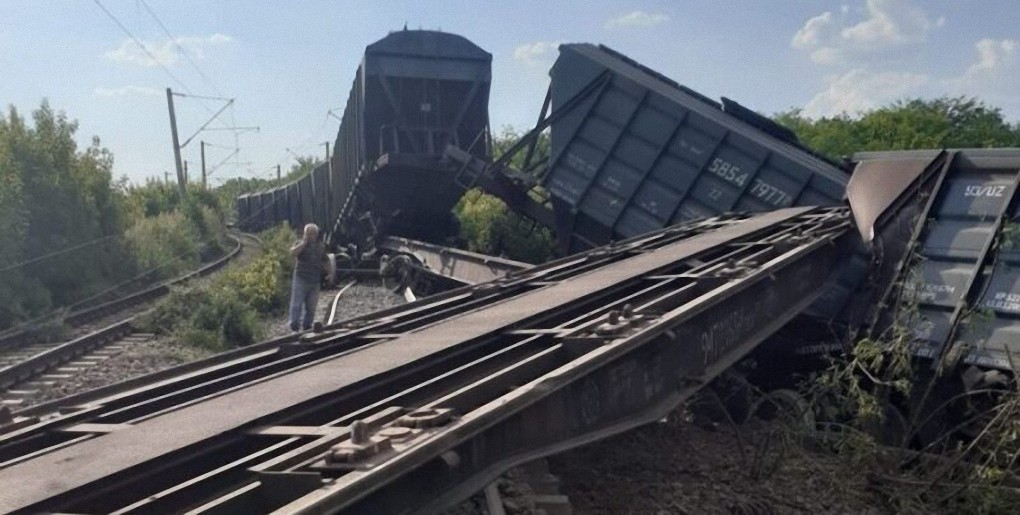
(286,64)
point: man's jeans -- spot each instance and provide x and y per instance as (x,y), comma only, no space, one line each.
(305,294)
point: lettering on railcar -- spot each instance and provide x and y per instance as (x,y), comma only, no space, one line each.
(728,172)
(923,330)
(612,183)
(567,186)
(578,163)
(928,292)
(730,328)
(651,206)
(984,191)
(769,193)
(984,360)
(818,348)
(686,145)
(1004,301)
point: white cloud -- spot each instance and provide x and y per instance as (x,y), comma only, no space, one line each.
(127,90)
(637,19)
(827,56)
(994,77)
(165,52)
(887,23)
(860,89)
(812,33)
(994,56)
(535,53)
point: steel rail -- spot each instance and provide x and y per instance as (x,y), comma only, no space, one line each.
(260,432)
(336,301)
(180,379)
(461,266)
(59,353)
(82,316)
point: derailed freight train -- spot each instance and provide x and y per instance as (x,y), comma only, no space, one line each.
(415,92)
(938,260)
(633,151)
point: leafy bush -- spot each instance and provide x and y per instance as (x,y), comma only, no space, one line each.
(258,283)
(225,312)
(488,226)
(206,316)
(55,196)
(209,228)
(165,244)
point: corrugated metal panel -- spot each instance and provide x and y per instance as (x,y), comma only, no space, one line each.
(320,192)
(243,211)
(268,209)
(293,206)
(963,286)
(281,208)
(644,152)
(415,91)
(255,218)
(305,193)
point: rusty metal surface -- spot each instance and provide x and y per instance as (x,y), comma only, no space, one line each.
(875,186)
(154,439)
(460,265)
(958,297)
(645,152)
(597,387)
(414,93)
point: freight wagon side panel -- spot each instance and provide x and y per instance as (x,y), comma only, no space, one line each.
(255,217)
(961,290)
(640,152)
(243,207)
(281,207)
(293,206)
(305,193)
(320,195)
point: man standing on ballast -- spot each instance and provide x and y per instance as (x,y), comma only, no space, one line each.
(311,262)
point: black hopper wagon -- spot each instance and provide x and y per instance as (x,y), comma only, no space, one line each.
(414,93)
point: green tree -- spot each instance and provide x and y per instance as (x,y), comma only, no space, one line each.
(488,226)
(958,122)
(57,197)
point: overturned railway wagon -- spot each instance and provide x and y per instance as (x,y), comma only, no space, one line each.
(950,217)
(635,151)
(415,92)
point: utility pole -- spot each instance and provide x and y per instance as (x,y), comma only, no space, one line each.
(277,172)
(203,164)
(177,146)
(166,177)
(185,172)
(328,160)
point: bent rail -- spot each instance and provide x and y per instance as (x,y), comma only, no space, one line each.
(461,266)
(433,398)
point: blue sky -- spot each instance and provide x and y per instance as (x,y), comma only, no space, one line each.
(287,63)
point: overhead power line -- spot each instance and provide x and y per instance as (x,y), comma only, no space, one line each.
(58,252)
(142,46)
(181,49)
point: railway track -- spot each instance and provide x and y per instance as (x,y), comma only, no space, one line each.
(28,370)
(414,408)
